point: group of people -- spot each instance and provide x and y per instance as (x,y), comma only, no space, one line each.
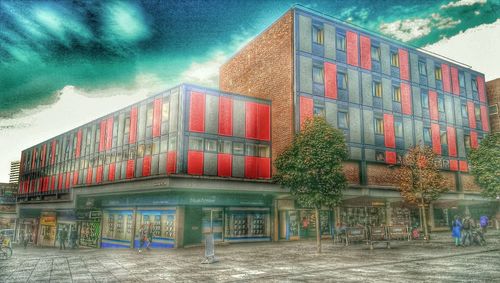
(63,237)
(467,230)
(146,234)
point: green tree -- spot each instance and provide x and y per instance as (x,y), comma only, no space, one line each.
(311,167)
(485,165)
(420,180)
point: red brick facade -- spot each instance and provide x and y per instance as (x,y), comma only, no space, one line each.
(493,92)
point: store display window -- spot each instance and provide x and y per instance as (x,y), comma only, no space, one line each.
(362,216)
(213,222)
(158,223)
(116,229)
(247,224)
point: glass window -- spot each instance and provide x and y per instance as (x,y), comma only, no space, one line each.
(396,93)
(319,110)
(341,80)
(441,103)
(474,85)
(444,140)
(465,113)
(127,124)
(438,73)
(211,145)
(379,126)
(343,120)
(493,109)
(340,42)
(375,52)
(132,153)
(422,68)
(195,143)
(398,129)
(477,112)
(395,59)
(425,100)
(461,79)
(149,114)
(140,150)
(164,144)
(318,35)
(427,134)
(377,89)
(318,74)
(380,156)
(238,148)
(172,143)
(264,150)
(467,141)
(251,150)
(148,150)
(156,146)
(225,147)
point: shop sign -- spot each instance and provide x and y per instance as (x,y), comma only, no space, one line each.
(95,214)
(7,200)
(48,220)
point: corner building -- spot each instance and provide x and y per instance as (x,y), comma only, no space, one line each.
(384,95)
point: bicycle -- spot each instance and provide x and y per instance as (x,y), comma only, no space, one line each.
(5,249)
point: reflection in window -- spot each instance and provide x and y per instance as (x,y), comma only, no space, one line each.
(396,93)
(340,42)
(319,110)
(238,148)
(343,120)
(318,74)
(195,143)
(422,68)
(379,126)
(341,80)
(375,53)
(225,147)
(377,89)
(318,35)
(394,59)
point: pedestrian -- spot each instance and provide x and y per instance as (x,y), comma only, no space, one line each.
(26,238)
(150,235)
(456,230)
(483,221)
(63,237)
(142,237)
(466,228)
(305,226)
(73,237)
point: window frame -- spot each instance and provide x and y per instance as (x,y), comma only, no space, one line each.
(375,49)
(398,129)
(377,89)
(343,85)
(318,35)
(394,59)
(318,72)
(379,126)
(427,133)
(422,66)
(340,42)
(396,93)
(438,73)
(345,118)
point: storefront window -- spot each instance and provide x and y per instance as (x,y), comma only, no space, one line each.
(247,224)
(117,228)
(362,216)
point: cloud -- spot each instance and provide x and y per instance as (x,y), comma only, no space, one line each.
(463,3)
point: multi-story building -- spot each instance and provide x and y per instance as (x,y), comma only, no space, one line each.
(7,205)
(493,94)
(14,172)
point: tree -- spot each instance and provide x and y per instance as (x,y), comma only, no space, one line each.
(485,164)
(420,181)
(311,167)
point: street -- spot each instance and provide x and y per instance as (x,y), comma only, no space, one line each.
(438,261)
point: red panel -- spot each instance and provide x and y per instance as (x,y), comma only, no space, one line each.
(436,138)
(330,80)
(99,173)
(454,165)
(433,105)
(264,168)
(251,113)
(224,164)
(78,143)
(44,152)
(471,114)
(390,157)
(89,176)
(225,116)
(404,70)
(406,98)
(197,112)
(109,133)
(130,169)
(452,141)
(53,183)
(306,109)
(446,78)
(484,118)
(454,81)
(157,117)
(365,49)
(264,122)
(195,163)
(473,139)
(172,162)
(111,172)
(480,88)
(102,136)
(463,166)
(53,152)
(389,137)
(352,48)
(75,178)
(250,167)
(68,180)
(133,125)
(60,182)
(146,166)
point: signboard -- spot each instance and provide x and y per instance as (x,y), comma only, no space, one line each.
(48,220)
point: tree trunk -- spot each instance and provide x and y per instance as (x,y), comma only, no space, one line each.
(318,233)
(424,216)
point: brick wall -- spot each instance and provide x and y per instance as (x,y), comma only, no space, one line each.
(493,92)
(351,171)
(468,183)
(382,175)
(264,69)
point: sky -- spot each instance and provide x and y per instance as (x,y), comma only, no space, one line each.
(65,63)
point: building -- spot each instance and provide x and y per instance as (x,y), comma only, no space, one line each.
(7,206)
(192,160)
(493,93)
(14,172)
(385,95)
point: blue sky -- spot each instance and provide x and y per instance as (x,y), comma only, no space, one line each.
(55,54)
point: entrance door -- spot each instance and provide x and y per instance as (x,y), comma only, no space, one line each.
(213,222)
(193,226)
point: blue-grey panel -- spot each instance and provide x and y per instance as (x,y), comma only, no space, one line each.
(419,132)
(369,134)
(141,122)
(105,173)
(353,85)
(305,80)
(460,142)
(154,164)
(355,153)
(331,113)
(468,84)
(305,37)
(385,58)
(431,79)
(174,110)
(415,75)
(449,109)
(417,101)
(408,132)
(369,154)
(239,118)
(329,41)
(387,94)
(121,126)
(210,164)
(94,175)
(211,114)
(238,166)
(162,166)
(354,125)
(138,167)
(458,110)
(366,87)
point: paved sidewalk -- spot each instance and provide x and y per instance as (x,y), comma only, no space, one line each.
(438,261)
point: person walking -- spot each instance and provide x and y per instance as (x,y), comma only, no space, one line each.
(456,230)
(142,237)
(467,227)
(63,237)
(483,222)
(150,235)
(73,237)
(26,239)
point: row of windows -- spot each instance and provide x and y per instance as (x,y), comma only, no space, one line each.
(229,147)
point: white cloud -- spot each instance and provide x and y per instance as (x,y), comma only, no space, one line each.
(462,3)
(477,47)
(409,29)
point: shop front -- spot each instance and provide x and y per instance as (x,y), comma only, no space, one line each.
(89,228)
(117,228)
(66,220)
(158,222)
(47,230)
(301,224)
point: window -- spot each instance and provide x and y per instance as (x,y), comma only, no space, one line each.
(238,148)
(477,112)
(149,115)
(474,85)
(165,110)
(341,80)
(340,42)
(398,129)
(396,93)
(377,89)
(210,145)
(172,143)
(422,68)
(380,156)
(461,79)
(427,134)
(425,100)
(251,150)
(319,110)
(438,74)
(140,150)
(318,74)
(467,141)
(444,140)
(379,126)
(318,35)
(225,147)
(343,120)
(263,150)
(394,59)
(195,143)
(493,109)
(440,103)
(375,52)
(465,113)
